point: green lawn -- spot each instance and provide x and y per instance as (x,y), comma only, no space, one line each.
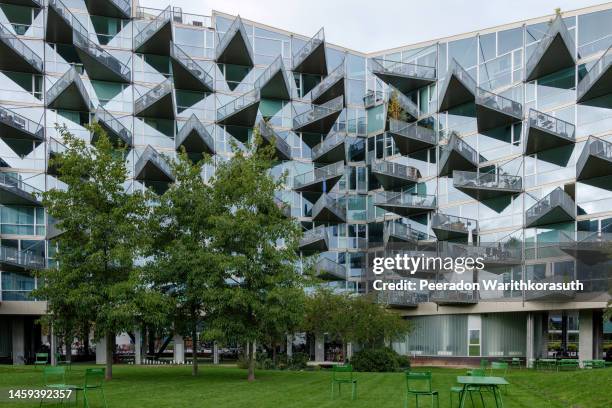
(221,387)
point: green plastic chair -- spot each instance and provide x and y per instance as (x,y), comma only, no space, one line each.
(94,381)
(54,378)
(418,384)
(42,359)
(343,375)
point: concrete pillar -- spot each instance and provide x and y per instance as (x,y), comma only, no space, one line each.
(319,347)
(289,345)
(530,341)
(101,351)
(52,346)
(598,334)
(137,346)
(585,341)
(349,350)
(215,353)
(179,349)
(18,341)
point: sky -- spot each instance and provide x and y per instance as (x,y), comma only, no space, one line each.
(376,25)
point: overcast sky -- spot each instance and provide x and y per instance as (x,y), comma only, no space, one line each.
(374,25)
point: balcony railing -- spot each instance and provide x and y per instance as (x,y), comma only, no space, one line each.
(165,17)
(70,77)
(594,147)
(551,124)
(308,48)
(333,203)
(21,123)
(556,27)
(24,259)
(456,144)
(403,231)
(373,98)
(406,103)
(153,96)
(223,42)
(551,294)
(319,233)
(7,36)
(319,174)
(325,268)
(403,69)
(238,104)
(318,112)
(328,144)
(10,182)
(394,298)
(194,124)
(499,103)
(491,181)
(102,56)
(64,12)
(594,74)
(271,71)
(509,253)
(396,170)
(393,198)
(454,223)
(271,136)
(413,131)
(455,296)
(555,199)
(192,66)
(151,155)
(117,128)
(327,82)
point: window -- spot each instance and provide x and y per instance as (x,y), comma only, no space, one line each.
(474,343)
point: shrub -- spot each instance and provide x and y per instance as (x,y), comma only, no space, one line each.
(298,361)
(379,360)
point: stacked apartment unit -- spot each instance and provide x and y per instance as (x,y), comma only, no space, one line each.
(494,143)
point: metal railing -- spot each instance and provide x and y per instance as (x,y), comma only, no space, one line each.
(455,296)
(405,102)
(499,103)
(556,198)
(12,182)
(55,147)
(317,112)
(194,124)
(454,223)
(426,201)
(191,65)
(327,266)
(271,70)
(401,298)
(243,101)
(551,124)
(151,155)
(403,231)
(390,67)
(396,170)
(556,27)
(102,56)
(71,76)
(153,95)
(500,252)
(536,294)
(60,8)
(332,202)
(21,48)
(458,145)
(494,181)
(17,121)
(319,174)
(601,66)
(331,141)
(124,5)
(165,17)
(25,259)
(236,26)
(308,48)
(313,235)
(412,131)
(456,70)
(373,98)
(594,147)
(336,75)
(271,136)
(102,115)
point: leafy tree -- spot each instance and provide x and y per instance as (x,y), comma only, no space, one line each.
(375,325)
(261,248)
(394,108)
(95,282)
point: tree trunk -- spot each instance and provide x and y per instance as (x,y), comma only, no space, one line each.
(194,350)
(251,352)
(274,353)
(344,352)
(68,343)
(110,348)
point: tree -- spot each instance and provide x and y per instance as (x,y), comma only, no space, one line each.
(375,325)
(394,108)
(183,262)
(260,245)
(95,281)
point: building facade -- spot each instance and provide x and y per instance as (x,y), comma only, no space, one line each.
(496,143)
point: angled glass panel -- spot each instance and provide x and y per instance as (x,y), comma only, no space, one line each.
(404,76)
(159,102)
(187,73)
(311,59)
(554,52)
(598,80)
(15,55)
(69,93)
(155,37)
(235,47)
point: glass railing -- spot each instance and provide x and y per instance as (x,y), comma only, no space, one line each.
(328,144)
(238,104)
(396,170)
(63,11)
(192,66)
(405,199)
(406,103)
(499,103)
(458,145)
(327,82)
(316,234)
(319,174)
(412,131)
(397,298)
(194,124)
(556,198)
(308,48)
(71,76)
(454,223)
(594,147)
(470,179)
(124,5)
(153,95)
(102,56)
(271,136)
(21,48)
(552,124)
(403,69)
(455,296)
(17,121)
(500,252)
(236,26)
(601,66)
(403,231)
(25,259)
(151,155)
(55,147)
(325,266)
(13,182)
(373,98)
(556,27)
(150,29)
(270,71)
(102,115)
(332,202)
(457,71)
(318,112)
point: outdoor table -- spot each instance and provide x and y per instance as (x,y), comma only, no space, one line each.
(488,382)
(547,363)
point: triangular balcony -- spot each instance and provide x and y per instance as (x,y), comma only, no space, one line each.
(319,180)
(589,247)
(410,137)
(187,73)
(13,260)
(483,186)
(598,81)
(158,102)
(329,208)
(404,76)
(554,208)
(195,138)
(110,8)
(274,82)
(54,148)
(61,23)
(330,87)
(235,46)
(493,110)
(393,175)
(331,150)
(408,106)
(319,118)
(27,3)
(544,131)
(242,111)
(98,63)
(311,59)
(15,55)
(115,130)
(13,191)
(595,159)
(397,232)
(156,37)
(269,136)
(153,169)
(69,93)
(282,205)
(316,239)
(14,126)
(458,88)
(457,155)
(455,297)
(397,299)
(405,204)
(550,295)
(494,254)
(554,52)
(329,270)
(450,227)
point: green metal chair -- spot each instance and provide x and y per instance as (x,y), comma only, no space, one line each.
(343,375)
(54,378)
(42,359)
(94,381)
(516,362)
(418,384)
(60,360)
(499,368)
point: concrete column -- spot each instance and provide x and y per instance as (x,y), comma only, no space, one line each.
(215,353)
(349,350)
(289,345)
(529,342)
(585,342)
(18,341)
(598,334)
(52,346)
(137,346)
(179,349)
(319,347)
(101,351)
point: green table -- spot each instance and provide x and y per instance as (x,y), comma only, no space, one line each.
(487,382)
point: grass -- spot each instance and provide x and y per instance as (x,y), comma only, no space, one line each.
(226,387)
